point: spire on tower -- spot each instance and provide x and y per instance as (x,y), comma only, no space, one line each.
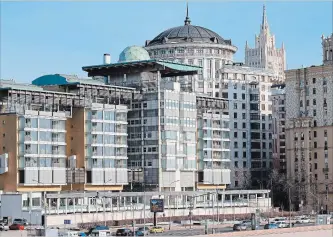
(264,24)
(187,19)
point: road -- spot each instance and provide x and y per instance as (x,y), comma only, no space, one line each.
(179,231)
(200,231)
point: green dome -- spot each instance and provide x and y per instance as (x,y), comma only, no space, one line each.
(133,53)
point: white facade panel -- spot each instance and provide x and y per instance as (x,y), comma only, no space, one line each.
(45,175)
(122,177)
(31,176)
(59,176)
(97,176)
(110,176)
(187,179)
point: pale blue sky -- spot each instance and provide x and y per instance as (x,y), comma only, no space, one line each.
(40,38)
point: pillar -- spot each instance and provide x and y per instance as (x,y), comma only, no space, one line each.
(66,205)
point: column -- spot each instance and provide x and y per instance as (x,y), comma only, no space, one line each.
(58,205)
(66,204)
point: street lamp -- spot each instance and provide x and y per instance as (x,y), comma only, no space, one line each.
(44,197)
(169,203)
(217,204)
(104,214)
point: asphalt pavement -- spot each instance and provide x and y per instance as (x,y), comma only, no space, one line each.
(200,231)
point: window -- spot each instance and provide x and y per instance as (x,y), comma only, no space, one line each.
(235,125)
(236,154)
(235,105)
(235,135)
(244,134)
(314,133)
(243,96)
(314,102)
(307,102)
(314,112)
(244,125)
(315,155)
(243,106)
(325,133)
(313,80)
(236,164)
(263,106)
(235,144)
(235,96)
(315,144)
(235,115)
(243,115)
(236,183)
(314,91)
(315,166)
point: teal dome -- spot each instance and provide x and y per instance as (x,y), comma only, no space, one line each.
(133,53)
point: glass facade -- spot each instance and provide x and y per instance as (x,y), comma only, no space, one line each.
(106,138)
(42,142)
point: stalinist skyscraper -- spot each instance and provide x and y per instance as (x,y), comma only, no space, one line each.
(265,54)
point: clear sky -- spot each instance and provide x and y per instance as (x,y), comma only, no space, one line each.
(40,38)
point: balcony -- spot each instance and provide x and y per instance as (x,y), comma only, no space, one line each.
(325,170)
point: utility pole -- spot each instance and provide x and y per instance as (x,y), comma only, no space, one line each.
(289,207)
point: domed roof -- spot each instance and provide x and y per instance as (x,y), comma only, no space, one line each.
(133,53)
(188,33)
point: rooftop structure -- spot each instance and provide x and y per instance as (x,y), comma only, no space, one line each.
(187,34)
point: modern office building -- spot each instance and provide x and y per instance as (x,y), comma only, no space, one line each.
(265,54)
(162,125)
(250,109)
(63,132)
(279,128)
(309,135)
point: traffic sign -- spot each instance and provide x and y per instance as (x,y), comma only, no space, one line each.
(67,222)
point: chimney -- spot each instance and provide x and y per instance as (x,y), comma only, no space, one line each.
(107,58)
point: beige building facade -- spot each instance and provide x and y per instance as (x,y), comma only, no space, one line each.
(309,136)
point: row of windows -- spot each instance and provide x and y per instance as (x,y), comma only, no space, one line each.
(45,123)
(187,122)
(41,162)
(314,102)
(191,51)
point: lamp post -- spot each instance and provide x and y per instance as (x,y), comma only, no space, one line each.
(169,212)
(217,204)
(44,197)
(104,214)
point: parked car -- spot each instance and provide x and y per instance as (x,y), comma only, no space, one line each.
(124,232)
(240,227)
(4,227)
(142,231)
(96,229)
(281,224)
(303,220)
(16,227)
(247,222)
(271,226)
(157,229)
(20,221)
